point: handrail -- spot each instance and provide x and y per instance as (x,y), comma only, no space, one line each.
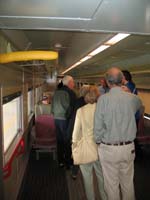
(21,148)
(28,55)
(18,151)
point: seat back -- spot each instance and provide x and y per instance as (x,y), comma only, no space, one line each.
(45,133)
(42,109)
(140,126)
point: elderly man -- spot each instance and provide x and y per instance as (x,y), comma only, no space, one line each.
(115,131)
(62,108)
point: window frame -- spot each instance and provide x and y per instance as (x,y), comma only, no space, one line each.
(30,99)
(38,94)
(17,136)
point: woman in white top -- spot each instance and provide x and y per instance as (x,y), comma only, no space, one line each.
(84,124)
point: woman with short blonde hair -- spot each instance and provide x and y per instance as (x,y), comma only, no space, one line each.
(84,122)
(92,95)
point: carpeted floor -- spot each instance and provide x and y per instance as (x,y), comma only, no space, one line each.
(142,174)
(44,180)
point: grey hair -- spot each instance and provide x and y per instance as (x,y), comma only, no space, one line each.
(66,80)
(114,79)
(83,90)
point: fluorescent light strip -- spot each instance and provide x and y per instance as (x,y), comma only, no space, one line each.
(146,117)
(112,41)
(90,55)
(76,64)
(116,38)
(85,58)
(72,66)
(98,50)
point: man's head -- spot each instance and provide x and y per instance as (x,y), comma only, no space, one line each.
(127,75)
(114,77)
(103,82)
(45,100)
(68,81)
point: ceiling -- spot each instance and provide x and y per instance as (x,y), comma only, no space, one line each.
(75,28)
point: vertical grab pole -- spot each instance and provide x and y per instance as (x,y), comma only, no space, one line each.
(1,148)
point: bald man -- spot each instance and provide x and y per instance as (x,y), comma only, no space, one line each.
(115,131)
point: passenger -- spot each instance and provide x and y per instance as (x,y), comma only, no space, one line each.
(127,81)
(45,100)
(81,100)
(44,107)
(129,86)
(115,130)
(103,87)
(60,85)
(79,103)
(62,108)
(86,123)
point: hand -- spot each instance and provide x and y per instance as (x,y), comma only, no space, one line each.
(125,88)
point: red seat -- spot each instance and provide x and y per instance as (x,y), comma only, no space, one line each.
(140,128)
(45,134)
(142,137)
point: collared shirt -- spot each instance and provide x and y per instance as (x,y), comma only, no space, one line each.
(115,116)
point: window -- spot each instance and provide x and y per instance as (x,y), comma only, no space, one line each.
(12,121)
(30,102)
(38,94)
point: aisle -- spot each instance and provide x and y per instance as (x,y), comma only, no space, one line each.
(44,180)
(142,175)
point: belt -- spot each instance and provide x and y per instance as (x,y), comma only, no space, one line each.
(118,143)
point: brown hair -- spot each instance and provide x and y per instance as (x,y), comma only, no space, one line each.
(92,95)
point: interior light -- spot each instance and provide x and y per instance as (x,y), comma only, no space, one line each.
(85,58)
(117,38)
(146,117)
(73,66)
(112,41)
(98,50)
(68,69)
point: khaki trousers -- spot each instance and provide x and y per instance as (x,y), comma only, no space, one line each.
(87,173)
(118,170)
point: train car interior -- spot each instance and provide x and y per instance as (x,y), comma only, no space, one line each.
(40,43)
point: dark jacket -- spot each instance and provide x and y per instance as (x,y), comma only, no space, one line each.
(63,103)
(79,103)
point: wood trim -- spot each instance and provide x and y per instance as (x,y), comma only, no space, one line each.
(143,90)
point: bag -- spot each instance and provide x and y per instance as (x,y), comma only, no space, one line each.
(85,151)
